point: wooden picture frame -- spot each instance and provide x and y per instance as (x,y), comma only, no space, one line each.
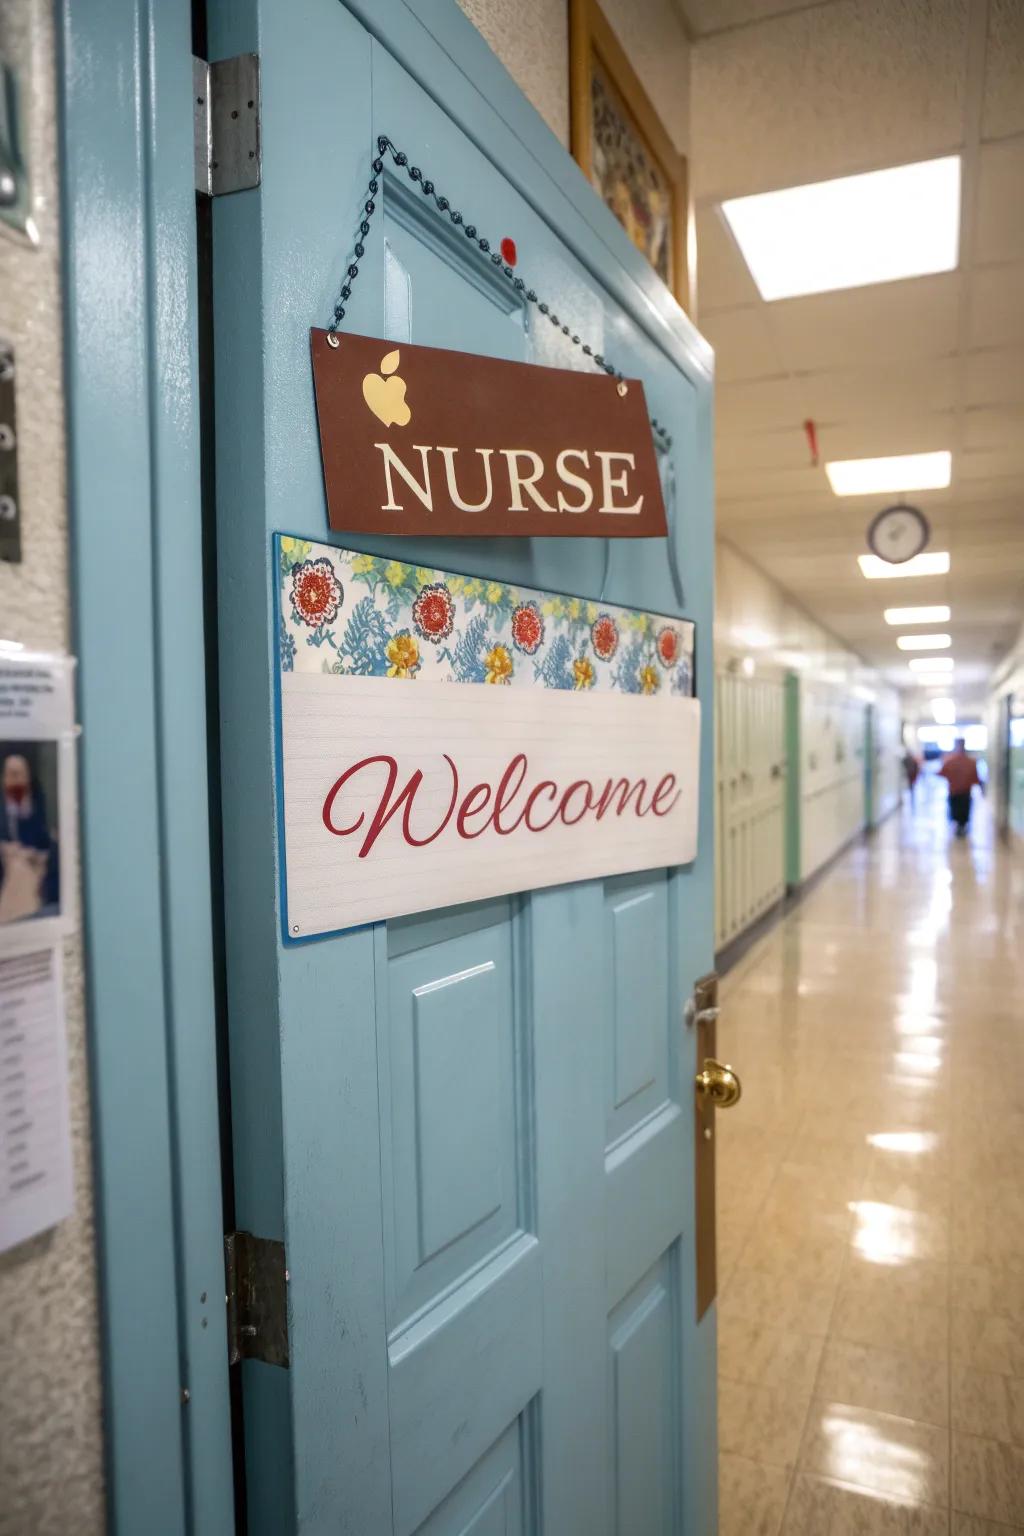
(608,102)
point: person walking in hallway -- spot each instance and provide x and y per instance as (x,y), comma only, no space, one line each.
(961,774)
(911,767)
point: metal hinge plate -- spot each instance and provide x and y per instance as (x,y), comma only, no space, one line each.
(226,118)
(257,1296)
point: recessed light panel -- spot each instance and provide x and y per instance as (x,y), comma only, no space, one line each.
(931,664)
(924,642)
(899,472)
(900,222)
(931,563)
(938,613)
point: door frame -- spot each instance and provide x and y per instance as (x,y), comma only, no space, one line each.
(131,386)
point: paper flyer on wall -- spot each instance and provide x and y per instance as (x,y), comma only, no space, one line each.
(37,881)
(36,1189)
(37,793)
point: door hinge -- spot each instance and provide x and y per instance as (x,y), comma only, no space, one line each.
(257,1297)
(226,121)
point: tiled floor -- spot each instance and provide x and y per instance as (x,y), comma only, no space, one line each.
(871,1199)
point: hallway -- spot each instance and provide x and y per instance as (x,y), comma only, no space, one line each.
(871,1198)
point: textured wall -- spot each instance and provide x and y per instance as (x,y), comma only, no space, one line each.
(531,38)
(51,1475)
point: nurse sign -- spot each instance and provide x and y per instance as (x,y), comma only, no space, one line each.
(428,441)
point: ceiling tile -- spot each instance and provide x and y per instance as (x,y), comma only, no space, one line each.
(1003,110)
(986,463)
(994,427)
(879,436)
(995,376)
(761,450)
(755,407)
(999,234)
(856,394)
(827,90)
(997,308)
(723,278)
(741,483)
(868,327)
(743,343)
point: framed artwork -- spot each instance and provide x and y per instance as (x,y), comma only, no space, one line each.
(624,149)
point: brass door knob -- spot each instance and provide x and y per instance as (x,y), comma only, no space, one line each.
(719,1083)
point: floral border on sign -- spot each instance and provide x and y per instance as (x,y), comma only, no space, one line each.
(371,616)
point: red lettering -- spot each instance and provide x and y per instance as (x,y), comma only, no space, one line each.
(507,792)
(569,806)
(625,791)
(531,797)
(384,812)
(471,806)
(665,787)
(587,789)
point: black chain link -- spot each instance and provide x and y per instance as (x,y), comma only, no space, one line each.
(443,205)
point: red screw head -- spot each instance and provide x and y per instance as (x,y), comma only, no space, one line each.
(508,252)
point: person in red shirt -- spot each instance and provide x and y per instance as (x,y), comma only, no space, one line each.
(961,774)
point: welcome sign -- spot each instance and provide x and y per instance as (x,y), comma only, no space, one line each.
(423,440)
(446,739)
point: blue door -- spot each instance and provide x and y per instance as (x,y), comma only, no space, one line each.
(472,1129)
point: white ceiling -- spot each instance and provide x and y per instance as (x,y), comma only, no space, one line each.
(783,95)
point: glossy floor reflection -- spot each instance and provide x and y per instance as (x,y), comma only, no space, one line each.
(871,1198)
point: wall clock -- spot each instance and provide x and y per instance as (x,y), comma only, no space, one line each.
(898,533)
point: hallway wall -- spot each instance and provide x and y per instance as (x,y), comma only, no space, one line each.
(1006,758)
(531,38)
(832,770)
(51,1446)
(888,764)
(761,634)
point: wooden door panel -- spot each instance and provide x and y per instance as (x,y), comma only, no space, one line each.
(492,1499)
(463,1273)
(450,1116)
(424,256)
(635,948)
(644,1405)
(643,1198)
(460,1377)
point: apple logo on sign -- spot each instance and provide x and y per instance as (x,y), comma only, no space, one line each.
(384,393)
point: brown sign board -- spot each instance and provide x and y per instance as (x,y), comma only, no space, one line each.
(423,440)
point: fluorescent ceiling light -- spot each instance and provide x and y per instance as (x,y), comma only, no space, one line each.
(900,472)
(938,613)
(900,222)
(924,642)
(931,664)
(944,711)
(932,563)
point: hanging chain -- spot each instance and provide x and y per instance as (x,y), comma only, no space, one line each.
(384,145)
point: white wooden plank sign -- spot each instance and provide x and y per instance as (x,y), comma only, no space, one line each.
(446,739)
